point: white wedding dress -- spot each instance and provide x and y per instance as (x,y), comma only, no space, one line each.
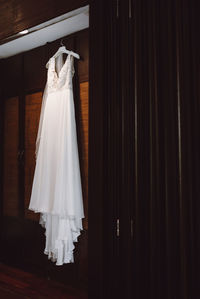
(56,190)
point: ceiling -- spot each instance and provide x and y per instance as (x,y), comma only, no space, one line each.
(51,30)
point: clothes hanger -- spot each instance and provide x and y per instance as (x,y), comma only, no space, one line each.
(62,49)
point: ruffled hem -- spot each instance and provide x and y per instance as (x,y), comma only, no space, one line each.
(61,233)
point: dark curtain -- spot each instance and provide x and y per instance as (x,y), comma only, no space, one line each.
(161,161)
(148,134)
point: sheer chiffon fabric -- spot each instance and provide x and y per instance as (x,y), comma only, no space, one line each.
(56,190)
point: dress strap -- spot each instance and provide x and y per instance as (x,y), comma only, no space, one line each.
(51,61)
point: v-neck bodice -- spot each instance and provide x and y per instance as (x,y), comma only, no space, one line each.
(59,65)
(59,80)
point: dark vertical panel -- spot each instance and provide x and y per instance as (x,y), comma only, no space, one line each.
(21,146)
(11,75)
(112,149)
(167,92)
(96,143)
(141,141)
(1,147)
(182,159)
(165,120)
(34,69)
(126,154)
(194,99)
(189,141)
(105,148)
(154,151)
(11,171)
(134,77)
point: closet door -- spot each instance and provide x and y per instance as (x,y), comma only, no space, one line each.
(159,210)
(105,151)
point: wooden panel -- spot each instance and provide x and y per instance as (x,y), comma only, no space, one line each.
(82,46)
(84,125)
(11,131)
(32,114)
(97,197)
(16,15)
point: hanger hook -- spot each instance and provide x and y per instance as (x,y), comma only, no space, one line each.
(61,42)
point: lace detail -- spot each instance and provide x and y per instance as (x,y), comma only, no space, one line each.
(63,80)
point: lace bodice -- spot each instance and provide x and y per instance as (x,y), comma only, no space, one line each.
(62,79)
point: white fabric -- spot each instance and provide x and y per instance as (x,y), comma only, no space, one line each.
(56,190)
